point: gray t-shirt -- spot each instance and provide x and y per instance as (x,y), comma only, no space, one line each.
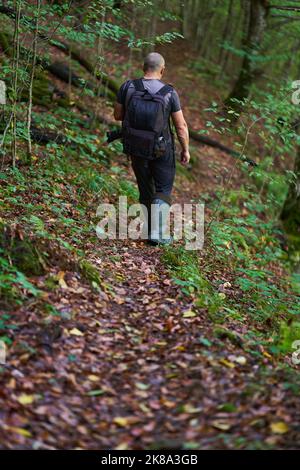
(153,85)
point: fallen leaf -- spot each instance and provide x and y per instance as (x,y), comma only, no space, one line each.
(93,378)
(266,354)
(95,393)
(226,285)
(279,427)
(21,431)
(26,399)
(191,409)
(124,421)
(189,314)
(222,425)
(142,386)
(227,363)
(238,359)
(76,332)
(61,281)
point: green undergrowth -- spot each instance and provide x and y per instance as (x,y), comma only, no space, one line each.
(51,208)
(243,273)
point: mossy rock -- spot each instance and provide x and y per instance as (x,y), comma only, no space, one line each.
(5,42)
(21,251)
(42,90)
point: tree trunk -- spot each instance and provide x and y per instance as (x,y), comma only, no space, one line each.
(32,74)
(226,31)
(227,56)
(16,57)
(256,29)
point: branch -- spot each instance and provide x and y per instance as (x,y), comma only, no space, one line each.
(215,144)
(292,18)
(285,8)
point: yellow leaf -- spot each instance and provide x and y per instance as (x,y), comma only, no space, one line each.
(26,399)
(21,431)
(124,421)
(227,363)
(122,446)
(279,428)
(76,332)
(222,425)
(93,378)
(189,314)
(61,281)
(191,409)
(266,354)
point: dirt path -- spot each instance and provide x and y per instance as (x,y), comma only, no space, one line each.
(126,368)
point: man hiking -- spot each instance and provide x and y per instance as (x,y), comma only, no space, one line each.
(144,106)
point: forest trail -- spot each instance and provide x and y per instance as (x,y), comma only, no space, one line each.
(136,365)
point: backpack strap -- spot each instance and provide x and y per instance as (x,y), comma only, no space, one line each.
(138,84)
(125,91)
(165,90)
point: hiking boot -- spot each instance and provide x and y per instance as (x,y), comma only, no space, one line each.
(160,227)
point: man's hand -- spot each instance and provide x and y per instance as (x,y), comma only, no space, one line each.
(182,134)
(185,157)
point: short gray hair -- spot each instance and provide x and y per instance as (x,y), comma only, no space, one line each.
(153,62)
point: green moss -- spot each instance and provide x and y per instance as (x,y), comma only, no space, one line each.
(21,252)
(41,92)
(223,333)
(89,272)
(5,42)
(51,282)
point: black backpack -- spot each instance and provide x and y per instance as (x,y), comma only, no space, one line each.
(145,127)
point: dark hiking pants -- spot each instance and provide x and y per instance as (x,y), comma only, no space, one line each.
(155,178)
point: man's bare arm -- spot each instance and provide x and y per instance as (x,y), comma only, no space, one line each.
(118,111)
(182,134)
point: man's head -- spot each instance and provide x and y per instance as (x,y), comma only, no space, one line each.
(154,64)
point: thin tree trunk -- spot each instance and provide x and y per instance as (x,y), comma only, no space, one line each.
(33,67)
(235,27)
(153,27)
(99,65)
(226,30)
(16,43)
